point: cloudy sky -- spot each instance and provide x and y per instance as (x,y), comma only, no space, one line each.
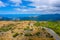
(29,6)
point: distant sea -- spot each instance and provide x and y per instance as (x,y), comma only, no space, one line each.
(40,17)
(18,15)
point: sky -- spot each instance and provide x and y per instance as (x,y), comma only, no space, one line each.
(29,6)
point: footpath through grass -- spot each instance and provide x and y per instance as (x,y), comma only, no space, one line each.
(54,25)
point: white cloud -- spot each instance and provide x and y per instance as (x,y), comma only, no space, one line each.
(21,10)
(2,4)
(45,5)
(17,2)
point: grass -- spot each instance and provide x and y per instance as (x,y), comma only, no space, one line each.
(28,34)
(5,28)
(16,34)
(37,34)
(31,32)
(54,25)
(27,28)
(37,24)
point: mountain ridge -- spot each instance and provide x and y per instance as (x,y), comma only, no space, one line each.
(46,17)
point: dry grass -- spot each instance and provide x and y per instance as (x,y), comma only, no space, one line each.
(20,28)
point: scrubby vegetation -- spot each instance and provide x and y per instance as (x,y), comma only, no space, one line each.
(5,28)
(16,34)
(54,25)
(37,24)
(28,30)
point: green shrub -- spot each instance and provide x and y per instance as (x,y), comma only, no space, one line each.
(37,24)
(28,34)
(6,28)
(16,34)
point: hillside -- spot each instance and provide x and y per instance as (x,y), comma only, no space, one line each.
(23,30)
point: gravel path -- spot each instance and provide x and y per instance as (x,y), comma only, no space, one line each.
(53,33)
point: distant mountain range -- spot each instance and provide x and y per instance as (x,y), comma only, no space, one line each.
(38,17)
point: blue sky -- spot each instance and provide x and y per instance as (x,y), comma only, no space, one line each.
(29,6)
